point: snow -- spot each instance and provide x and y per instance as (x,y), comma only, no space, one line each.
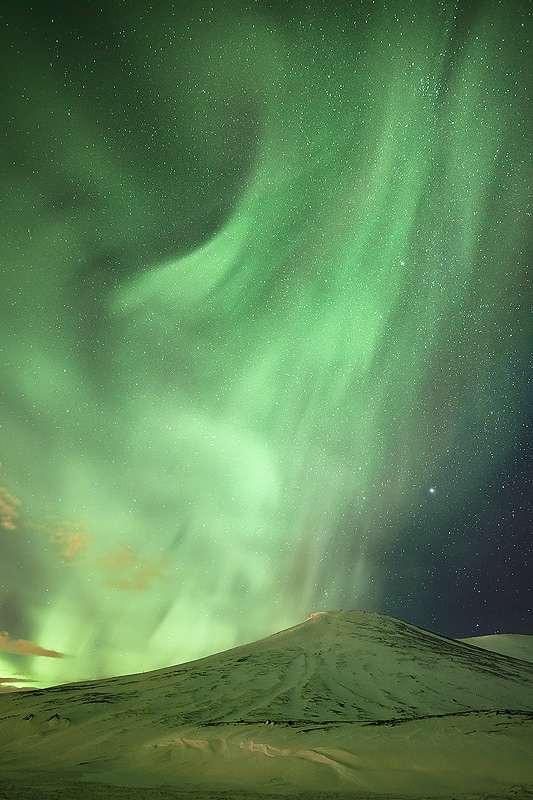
(509,644)
(346,703)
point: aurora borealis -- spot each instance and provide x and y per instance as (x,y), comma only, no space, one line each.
(265,328)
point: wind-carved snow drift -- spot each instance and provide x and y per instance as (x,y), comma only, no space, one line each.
(344,702)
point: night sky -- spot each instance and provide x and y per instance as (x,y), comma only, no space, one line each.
(265,325)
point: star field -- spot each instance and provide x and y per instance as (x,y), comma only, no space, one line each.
(265,336)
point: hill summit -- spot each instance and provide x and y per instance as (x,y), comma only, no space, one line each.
(349,700)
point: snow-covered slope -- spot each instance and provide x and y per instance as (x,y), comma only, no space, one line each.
(515,645)
(346,701)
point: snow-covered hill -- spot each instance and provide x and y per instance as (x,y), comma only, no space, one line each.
(507,644)
(344,702)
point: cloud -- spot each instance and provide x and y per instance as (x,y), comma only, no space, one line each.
(6,685)
(8,510)
(23,647)
(70,536)
(126,571)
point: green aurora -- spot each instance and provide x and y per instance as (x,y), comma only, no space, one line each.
(263,317)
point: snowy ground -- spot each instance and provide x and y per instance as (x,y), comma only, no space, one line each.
(347,704)
(82,791)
